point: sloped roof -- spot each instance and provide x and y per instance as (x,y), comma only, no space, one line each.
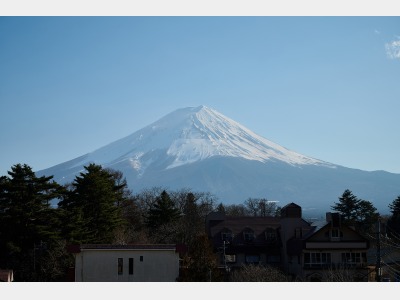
(315,227)
(292,204)
(238,224)
(79,248)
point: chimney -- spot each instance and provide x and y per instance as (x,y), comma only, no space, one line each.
(291,210)
(333,218)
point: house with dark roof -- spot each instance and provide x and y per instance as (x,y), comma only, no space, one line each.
(323,250)
(244,240)
(126,263)
(317,251)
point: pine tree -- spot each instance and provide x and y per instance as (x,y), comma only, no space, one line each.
(93,206)
(395,207)
(394,220)
(347,207)
(191,221)
(162,212)
(367,216)
(26,218)
(356,212)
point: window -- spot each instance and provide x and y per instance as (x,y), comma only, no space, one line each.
(273,259)
(120,266)
(141,258)
(354,258)
(316,259)
(336,234)
(270,235)
(227,235)
(130,266)
(248,235)
(252,259)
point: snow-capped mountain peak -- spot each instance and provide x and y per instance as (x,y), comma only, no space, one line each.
(201,149)
(192,134)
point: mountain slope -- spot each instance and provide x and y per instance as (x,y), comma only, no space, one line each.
(204,150)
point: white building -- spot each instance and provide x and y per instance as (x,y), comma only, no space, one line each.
(135,263)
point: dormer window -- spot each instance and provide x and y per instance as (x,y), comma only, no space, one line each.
(335,234)
(226,235)
(248,235)
(270,235)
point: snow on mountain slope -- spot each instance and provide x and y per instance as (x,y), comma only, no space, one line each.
(189,135)
(201,149)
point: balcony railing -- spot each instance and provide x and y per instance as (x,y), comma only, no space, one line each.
(324,265)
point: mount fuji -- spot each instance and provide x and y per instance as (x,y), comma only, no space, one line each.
(201,149)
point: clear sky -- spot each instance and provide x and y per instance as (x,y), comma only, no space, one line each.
(326,87)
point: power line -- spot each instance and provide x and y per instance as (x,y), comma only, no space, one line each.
(393,232)
(393,261)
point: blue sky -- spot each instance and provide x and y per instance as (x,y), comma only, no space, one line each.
(326,87)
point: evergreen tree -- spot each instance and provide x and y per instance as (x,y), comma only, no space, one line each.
(192,222)
(356,212)
(27,222)
(92,206)
(367,216)
(395,207)
(220,208)
(347,207)
(162,212)
(394,220)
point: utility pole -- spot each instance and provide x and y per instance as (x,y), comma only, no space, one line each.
(224,258)
(378,254)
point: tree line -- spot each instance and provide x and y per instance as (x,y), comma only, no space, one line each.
(97,207)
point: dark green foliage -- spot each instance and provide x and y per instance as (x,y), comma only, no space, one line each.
(395,206)
(394,220)
(220,208)
(92,206)
(163,212)
(192,220)
(26,219)
(347,207)
(356,212)
(367,216)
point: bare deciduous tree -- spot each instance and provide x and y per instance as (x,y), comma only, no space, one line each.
(339,274)
(258,273)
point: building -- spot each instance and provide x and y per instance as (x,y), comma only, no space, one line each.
(325,250)
(244,240)
(125,263)
(6,275)
(320,251)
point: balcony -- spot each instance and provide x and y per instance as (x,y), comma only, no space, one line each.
(335,266)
